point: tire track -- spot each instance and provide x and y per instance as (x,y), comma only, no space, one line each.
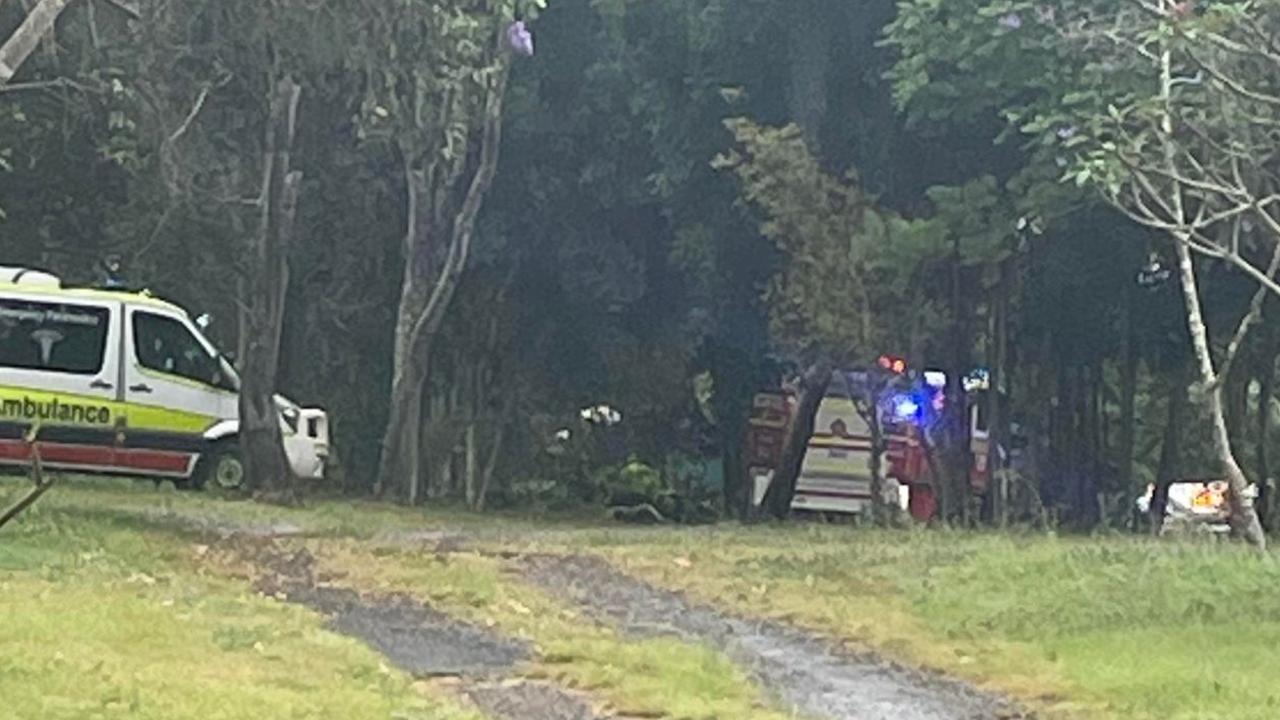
(421,641)
(809,675)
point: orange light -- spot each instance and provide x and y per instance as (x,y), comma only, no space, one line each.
(899,366)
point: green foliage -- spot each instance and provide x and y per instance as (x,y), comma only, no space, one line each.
(1081,83)
(426,67)
(633,478)
(856,281)
(819,299)
(613,263)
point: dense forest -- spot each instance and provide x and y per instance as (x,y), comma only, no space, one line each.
(512,247)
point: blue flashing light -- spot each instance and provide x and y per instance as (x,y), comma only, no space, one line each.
(906,407)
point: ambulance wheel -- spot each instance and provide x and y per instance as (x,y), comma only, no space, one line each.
(222,468)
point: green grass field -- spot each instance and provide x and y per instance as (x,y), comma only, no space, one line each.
(103,618)
(1112,627)
(108,615)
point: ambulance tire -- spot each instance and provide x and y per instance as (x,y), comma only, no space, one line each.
(222,468)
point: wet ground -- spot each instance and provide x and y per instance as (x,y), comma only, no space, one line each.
(515,699)
(415,638)
(809,676)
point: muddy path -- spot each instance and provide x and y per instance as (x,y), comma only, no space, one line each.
(481,665)
(810,676)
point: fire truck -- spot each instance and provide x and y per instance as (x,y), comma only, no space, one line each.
(836,473)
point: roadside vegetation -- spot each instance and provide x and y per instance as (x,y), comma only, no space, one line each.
(100,588)
(1089,627)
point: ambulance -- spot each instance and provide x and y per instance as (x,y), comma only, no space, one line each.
(120,382)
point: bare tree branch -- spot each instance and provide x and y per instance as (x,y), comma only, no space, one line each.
(26,38)
(464,224)
(1231,84)
(191,116)
(127,8)
(1247,322)
(55,84)
(42,484)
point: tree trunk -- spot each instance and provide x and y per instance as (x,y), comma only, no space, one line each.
(957,448)
(38,23)
(1236,402)
(1098,467)
(491,465)
(243,331)
(399,466)
(1128,401)
(872,418)
(1170,449)
(1244,519)
(470,474)
(810,59)
(431,275)
(1267,381)
(446,471)
(267,468)
(782,489)
(997,422)
(937,481)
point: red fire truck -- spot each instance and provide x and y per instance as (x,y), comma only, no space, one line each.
(835,476)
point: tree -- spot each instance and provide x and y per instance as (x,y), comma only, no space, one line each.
(437,79)
(848,288)
(266,284)
(215,94)
(1099,90)
(19,46)
(1189,156)
(1195,158)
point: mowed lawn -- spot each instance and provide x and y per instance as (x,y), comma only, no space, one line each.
(104,617)
(101,617)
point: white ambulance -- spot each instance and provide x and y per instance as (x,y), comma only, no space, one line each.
(123,383)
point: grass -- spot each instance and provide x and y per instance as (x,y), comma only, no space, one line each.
(636,677)
(102,619)
(1109,627)
(321,516)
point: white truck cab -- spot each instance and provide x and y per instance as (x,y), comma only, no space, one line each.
(120,382)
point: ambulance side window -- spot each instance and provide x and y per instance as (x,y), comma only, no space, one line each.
(58,337)
(165,345)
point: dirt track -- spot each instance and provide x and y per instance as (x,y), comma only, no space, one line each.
(806,675)
(415,638)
